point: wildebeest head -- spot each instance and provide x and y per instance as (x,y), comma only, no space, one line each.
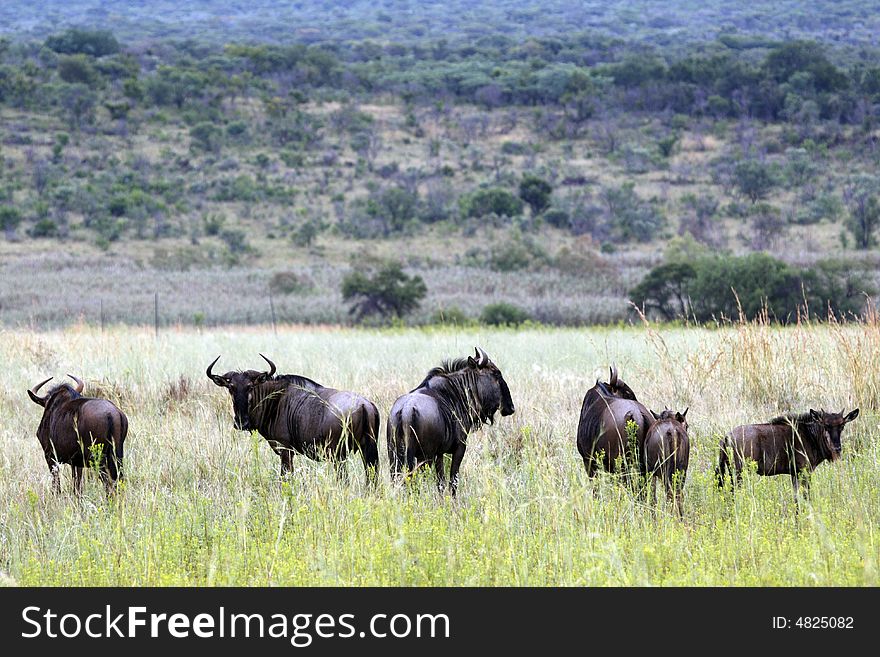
(59,392)
(832,426)
(491,387)
(615,387)
(241,385)
(667,414)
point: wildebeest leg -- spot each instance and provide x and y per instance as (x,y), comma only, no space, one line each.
(370,454)
(286,461)
(77,479)
(457,456)
(439,462)
(339,466)
(109,474)
(795,486)
(55,471)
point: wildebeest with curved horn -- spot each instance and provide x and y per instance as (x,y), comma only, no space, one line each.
(606,409)
(666,453)
(436,417)
(297,415)
(789,444)
(80,431)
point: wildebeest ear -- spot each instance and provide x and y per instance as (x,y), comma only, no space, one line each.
(815,415)
(685,414)
(471,362)
(36,399)
(656,417)
(852,415)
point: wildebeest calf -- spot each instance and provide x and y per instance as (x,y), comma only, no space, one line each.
(790,444)
(665,454)
(80,431)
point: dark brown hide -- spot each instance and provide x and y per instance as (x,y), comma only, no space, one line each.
(436,417)
(666,453)
(80,431)
(299,416)
(601,429)
(791,444)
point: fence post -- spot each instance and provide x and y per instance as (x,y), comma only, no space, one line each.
(272,308)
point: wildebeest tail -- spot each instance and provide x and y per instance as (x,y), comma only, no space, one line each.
(411,429)
(369,430)
(396,442)
(117,428)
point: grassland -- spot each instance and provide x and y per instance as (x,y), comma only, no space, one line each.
(202,503)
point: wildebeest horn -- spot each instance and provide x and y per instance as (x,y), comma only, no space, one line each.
(482,357)
(219,380)
(33,392)
(271,365)
(79,383)
(613,380)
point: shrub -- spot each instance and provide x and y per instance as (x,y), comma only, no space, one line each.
(516,254)
(287,282)
(503,314)
(557,218)
(44,228)
(451,316)
(491,201)
(236,241)
(514,148)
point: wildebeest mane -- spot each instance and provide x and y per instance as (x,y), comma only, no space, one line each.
(803,425)
(449,366)
(454,385)
(64,386)
(296,380)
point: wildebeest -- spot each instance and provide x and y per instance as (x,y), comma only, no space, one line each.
(601,429)
(665,454)
(297,415)
(80,431)
(436,417)
(789,444)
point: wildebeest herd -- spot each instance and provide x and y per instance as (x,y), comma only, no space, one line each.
(296,415)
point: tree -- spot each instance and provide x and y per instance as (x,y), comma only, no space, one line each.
(860,196)
(205,136)
(631,218)
(78,103)
(96,43)
(76,69)
(665,289)
(10,217)
(753,179)
(536,192)
(389,292)
(394,207)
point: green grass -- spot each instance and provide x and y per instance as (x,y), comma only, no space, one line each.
(202,503)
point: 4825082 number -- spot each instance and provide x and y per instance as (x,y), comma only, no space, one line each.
(824,622)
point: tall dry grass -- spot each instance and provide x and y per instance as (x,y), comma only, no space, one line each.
(202,503)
